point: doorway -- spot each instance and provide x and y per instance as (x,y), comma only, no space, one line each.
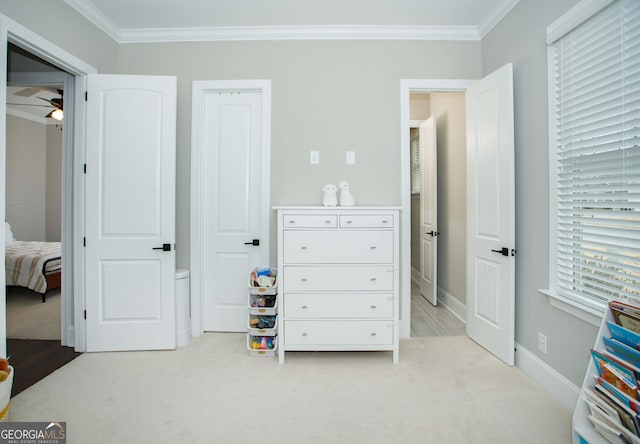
(447,317)
(37,338)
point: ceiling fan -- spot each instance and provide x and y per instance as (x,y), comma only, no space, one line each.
(57,103)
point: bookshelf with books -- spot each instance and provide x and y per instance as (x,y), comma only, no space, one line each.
(608,406)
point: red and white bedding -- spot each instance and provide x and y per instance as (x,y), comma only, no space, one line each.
(27,262)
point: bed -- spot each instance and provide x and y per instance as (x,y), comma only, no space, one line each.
(32,264)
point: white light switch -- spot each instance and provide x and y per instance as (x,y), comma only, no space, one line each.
(351,157)
(314,157)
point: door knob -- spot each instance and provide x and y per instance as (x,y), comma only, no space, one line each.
(503,251)
(433,233)
(165,247)
(254,242)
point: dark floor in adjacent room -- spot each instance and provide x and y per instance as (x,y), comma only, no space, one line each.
(33,359)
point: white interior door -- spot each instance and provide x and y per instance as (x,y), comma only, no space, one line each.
(491,214)
(429,211)
(234,234)
(130,215)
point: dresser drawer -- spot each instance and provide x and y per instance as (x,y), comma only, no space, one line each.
(366,221)
(338,332)
(333,278)
(310,221)
(338,305)
(338,246)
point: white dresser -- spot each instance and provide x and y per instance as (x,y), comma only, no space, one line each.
(339,278)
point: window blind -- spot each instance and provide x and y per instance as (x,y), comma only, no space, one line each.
(596,87)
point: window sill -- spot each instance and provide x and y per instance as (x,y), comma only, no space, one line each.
(592,315)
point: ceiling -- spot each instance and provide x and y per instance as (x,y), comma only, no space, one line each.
(154,20)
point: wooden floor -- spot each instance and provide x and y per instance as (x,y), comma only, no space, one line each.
(427,320)
(33,359)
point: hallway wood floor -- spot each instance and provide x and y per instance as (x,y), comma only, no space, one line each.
(427,320)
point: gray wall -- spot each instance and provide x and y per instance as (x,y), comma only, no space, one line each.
(326,95)
(53,197)
(33,180)
(520,38)
(26,178)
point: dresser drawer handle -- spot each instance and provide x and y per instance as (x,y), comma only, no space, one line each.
(304,247)
(304,279)
(304,307)
(327,221)
(372,247)
(373,279)
(385,221)
(349,221)
(292,221)
(304,334)
(374,334)
(374,307)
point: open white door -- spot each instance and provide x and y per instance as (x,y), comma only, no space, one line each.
(130,217)
(491,214)
(429,211)
(229,133)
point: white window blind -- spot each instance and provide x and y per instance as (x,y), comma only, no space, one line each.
(596,91)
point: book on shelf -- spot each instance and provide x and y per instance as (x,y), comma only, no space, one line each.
(626,315)
(624,335)
(622,351)
(626,416)
(616,372)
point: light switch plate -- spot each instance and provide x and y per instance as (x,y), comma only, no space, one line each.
(351,157)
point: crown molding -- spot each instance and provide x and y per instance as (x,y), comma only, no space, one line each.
(249,33)
(89,11)
(500,13)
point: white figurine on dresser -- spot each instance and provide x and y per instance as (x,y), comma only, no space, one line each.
(346,198)
(339,276)
(329,195)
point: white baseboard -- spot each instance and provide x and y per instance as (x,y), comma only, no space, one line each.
(557,385)
(415,275)
(452,304)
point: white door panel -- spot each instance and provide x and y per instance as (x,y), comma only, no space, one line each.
(491,213)
(232,139)
(429,211)
(130,215)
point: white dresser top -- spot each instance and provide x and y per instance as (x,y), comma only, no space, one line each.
(336,208)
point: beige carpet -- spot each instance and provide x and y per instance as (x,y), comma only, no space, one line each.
(444,390)
(29,318)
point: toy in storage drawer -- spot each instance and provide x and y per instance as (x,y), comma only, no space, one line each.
(263,281)
(263,305)
(262,345)
(263,325)
(263,288)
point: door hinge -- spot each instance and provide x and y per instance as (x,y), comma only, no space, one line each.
(84,168)
(85,314)
(84,241)
(86,96)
